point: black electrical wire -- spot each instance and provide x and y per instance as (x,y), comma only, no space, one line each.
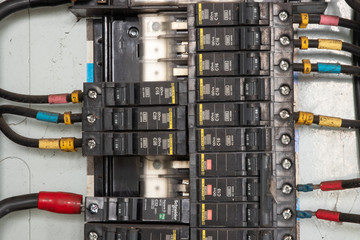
(23,98)
(18,203)
(315,19)
(32,113)
(24,141)
(347,69)
(354,4)
(314,43)
(316,119)
(8,7)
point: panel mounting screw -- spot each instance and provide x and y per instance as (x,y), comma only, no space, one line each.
(284,65)
(285,90)
(284,40)
(94,208)
(285,139)
(286,164)
(284,114)
(283,16)
(93,236)
(133,32)
(92,94)
(286,189)
(287,237)
(91,118)
(287,214)
(91,143)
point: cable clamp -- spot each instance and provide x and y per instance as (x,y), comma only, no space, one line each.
(307,66)
(304,20)
(67,118)
(67,145)
(75,96)
(304,43)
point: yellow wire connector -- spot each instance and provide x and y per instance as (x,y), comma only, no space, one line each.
(67,145)
(306,118)
(307,66)
(304,43)
(67,118)
(330,44)
(304,20)
(75,96)
(47,143)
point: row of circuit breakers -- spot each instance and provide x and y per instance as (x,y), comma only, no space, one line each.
(226,110)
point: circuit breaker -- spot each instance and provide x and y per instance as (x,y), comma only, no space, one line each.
(188,121)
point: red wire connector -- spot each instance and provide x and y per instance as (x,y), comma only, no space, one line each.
(328,215)
(60,202)
(331,185)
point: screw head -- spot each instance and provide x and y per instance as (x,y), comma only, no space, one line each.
(283,16)
(287,214)
(91,118)
(91,143)
(286,164)
(133,32)
(284,114)
(285,90)
(286,189)
(92,94)
(285,139)
(94,208)
(284,40)
(93,236)
(284,65)
(287,237)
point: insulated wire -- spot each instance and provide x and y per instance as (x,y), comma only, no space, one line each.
(65,144)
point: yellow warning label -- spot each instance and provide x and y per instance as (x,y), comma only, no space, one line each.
(171,150)
(203,214)
(201,38)
(201,114)
(201,89)
(173,92)
(330,44)
(202,189)
(170,118)
(203,234)
(200,13)
(174,234)
(330,121)
(202,139)
(202,164)
(201,64)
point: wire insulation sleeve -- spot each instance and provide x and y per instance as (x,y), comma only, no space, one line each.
(60,202)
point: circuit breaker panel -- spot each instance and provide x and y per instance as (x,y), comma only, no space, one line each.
(189,123)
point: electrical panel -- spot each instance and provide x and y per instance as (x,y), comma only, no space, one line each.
(189,121)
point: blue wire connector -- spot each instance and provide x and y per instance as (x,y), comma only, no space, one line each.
(305,187)
(304,214)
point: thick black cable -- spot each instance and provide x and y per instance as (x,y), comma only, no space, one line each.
(352,183)
(346,69)
(315,19)
(314,43)
(32,113)
(18,203)
(8,7)
(13,136)
(347,217)
(24,141)
(354,4)
(23,98)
